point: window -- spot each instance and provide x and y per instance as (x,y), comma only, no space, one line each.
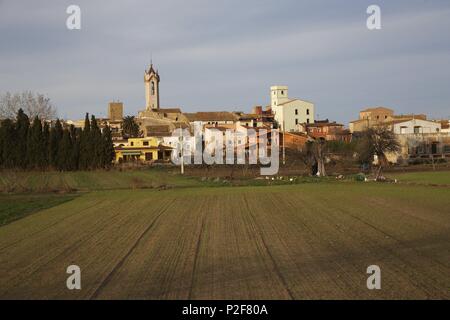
(131,143)
(145,143)
(296,111)
(307,111)
(417,129)
(403,130)
(296,121)
(153,88)
(307,120)
(282,92)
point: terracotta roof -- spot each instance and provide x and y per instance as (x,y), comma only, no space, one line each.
(169,110)
(400,121)
(212,116)
(157,130)
(377,109)
(324,124)
(410,116)
(359,120)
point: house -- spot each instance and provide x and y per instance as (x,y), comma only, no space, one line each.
(218,118)
(413,126)
(370,117)
(257,118)
(326,130)
(419,139)
(289,113)
(294,140)
(141,149)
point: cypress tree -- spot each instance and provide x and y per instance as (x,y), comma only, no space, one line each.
(19,150)
(1,144)
(64,152)
(35,145)
(96,144)
(8,133)
(85,145)
(45,144)
(75,143)
(56,134)
(108,147)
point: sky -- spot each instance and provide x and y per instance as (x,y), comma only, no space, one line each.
(215,55)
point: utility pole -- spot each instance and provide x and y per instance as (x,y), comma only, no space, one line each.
(284,151)
(182,151)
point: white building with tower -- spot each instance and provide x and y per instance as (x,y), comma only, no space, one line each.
(289,112)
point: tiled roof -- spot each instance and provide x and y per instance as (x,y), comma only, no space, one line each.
(377,109)
(169,110)
(212,116)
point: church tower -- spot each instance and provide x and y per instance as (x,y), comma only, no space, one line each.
(151,82)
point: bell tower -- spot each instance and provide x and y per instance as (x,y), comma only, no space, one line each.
(151,82)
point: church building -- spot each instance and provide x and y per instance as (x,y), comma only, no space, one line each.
(154,120)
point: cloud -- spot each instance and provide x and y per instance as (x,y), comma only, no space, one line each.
(226,54)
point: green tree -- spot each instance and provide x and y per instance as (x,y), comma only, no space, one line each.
(56,133)
(130,127)
(65,152)
(96,145)
(108,148)
(46,143)
(75,136)
(20,139)
(378,141)
(35,146)
(7,134)
(85,145)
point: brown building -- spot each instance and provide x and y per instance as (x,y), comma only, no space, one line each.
(370,117)
(115,111)
(326,130)
(294,140)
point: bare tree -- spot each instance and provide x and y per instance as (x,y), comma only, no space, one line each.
(33,104)
(314,155)
(378,141)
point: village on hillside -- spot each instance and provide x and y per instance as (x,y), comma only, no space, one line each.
(149,136)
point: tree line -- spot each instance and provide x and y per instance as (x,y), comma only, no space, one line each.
(37,145)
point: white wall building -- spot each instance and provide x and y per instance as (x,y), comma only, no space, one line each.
(290,112)
(416,126)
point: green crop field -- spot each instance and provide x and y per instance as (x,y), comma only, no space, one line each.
(44,182)
(429,177)
(300,241)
